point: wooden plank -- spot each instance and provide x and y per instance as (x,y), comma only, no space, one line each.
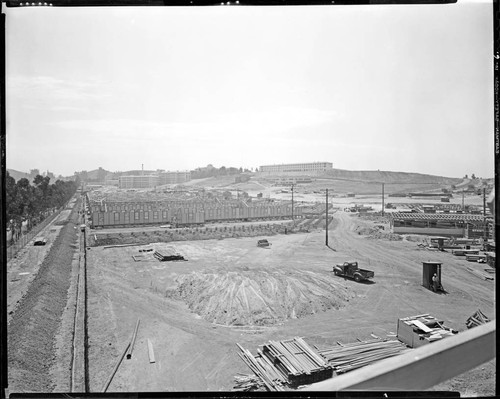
(421,325)
(110,378)
(421,368)
(132,342)
(151,352)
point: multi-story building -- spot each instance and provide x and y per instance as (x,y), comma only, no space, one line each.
(141,181)
(300,168)
(174,177)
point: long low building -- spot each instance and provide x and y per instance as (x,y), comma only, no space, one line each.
(441,224)
(308,167)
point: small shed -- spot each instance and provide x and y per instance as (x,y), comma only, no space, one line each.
(415,331)
(429,268)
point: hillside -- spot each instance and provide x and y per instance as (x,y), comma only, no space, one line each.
(17,174)
(390,177)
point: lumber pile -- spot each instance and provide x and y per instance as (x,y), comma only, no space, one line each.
(289,363)
(162,257)
(476,319)
(246,382)
(349,357)
(480,274)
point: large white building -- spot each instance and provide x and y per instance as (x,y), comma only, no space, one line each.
(309,168)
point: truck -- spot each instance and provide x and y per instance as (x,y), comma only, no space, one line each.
(351,269)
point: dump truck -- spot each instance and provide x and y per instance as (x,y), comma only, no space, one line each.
(351,269)
(263,243)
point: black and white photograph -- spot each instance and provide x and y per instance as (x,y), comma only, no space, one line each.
(249,197)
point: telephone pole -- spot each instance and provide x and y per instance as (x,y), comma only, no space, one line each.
(484,219)
(292,207)
(326,225)
(382,199)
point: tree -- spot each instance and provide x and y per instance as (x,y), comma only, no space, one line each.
(466,177)
(101,174)
(473,176)
(34,173)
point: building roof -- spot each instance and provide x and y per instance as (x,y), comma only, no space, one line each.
(438,216)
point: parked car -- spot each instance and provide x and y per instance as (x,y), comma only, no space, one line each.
(263,243)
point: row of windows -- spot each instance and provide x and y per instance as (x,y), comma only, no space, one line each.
(296,167)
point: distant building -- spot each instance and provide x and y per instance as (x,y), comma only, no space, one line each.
(174,177)
(285,181)
(147,181)
(112,182)
(309,168)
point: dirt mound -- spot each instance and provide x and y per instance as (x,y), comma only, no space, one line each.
(258,297)
(377,232)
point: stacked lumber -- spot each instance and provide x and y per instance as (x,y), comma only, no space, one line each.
(268,375)
(162,257)
(477,319)
(289,363)
(297,360)
(359,354)
(480,274)
(246,382)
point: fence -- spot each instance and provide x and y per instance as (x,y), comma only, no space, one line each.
(13,249)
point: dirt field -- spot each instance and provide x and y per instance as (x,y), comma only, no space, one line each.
(230,291)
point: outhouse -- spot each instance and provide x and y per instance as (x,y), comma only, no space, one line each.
(429,269)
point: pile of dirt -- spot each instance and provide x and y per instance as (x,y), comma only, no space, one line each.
(258,297)
(377,232)
(415,238)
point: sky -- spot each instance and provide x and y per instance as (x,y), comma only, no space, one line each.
(399,88)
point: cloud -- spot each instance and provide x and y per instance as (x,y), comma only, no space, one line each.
(52,93)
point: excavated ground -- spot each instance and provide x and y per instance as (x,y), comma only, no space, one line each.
(230,291)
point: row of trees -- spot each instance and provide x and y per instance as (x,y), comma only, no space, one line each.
(31,203)
(211,171)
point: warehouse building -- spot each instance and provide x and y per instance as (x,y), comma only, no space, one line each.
(441,224)
(309,168)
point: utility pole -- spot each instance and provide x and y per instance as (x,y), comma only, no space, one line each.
(292,205)
(326,225)
(462,200)
(382,199)
(485,227)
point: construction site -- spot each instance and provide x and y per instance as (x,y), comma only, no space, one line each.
(217,286)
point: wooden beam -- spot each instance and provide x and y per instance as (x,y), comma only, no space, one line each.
(151,352)
(420,368)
